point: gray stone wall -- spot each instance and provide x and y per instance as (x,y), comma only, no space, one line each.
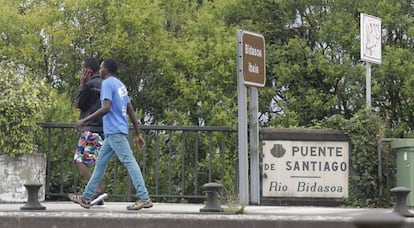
(19,170)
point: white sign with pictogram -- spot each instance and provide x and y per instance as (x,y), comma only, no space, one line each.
(370,38)
(317,169)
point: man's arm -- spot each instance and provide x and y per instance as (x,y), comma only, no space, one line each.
(106,107)
(139,140)
(133,118)
(80,101)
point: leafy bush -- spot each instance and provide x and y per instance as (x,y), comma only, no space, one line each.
(22,99)
(60,109)
(364,129)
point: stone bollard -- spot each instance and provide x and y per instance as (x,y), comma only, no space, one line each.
(378,220)
(401,201)
(212,204)
(33,198)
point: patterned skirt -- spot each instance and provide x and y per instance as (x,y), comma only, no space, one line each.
(88,148)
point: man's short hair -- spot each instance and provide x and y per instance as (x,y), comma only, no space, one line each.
(91,63)
(111,65)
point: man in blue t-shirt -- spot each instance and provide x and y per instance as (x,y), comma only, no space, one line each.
(116,107)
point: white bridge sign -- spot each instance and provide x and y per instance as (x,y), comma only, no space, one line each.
(317,169)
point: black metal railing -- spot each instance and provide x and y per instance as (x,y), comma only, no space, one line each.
(176,162)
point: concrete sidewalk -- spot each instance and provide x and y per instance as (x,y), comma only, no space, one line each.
(178,208)
(114,214)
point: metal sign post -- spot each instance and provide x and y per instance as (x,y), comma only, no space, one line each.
(251,71)
(254,147)
(242,131)
(368,83)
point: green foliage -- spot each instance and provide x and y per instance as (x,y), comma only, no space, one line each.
(22,100)
(364,129)
(60,109)
(178,58)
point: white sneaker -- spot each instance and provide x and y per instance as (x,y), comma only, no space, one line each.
(98,199)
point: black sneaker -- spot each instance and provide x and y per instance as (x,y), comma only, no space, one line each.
(100,203)
(98,199)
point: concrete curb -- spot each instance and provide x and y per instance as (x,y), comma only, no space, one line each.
(66,214)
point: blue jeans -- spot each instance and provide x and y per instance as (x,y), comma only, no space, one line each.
(116,144)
